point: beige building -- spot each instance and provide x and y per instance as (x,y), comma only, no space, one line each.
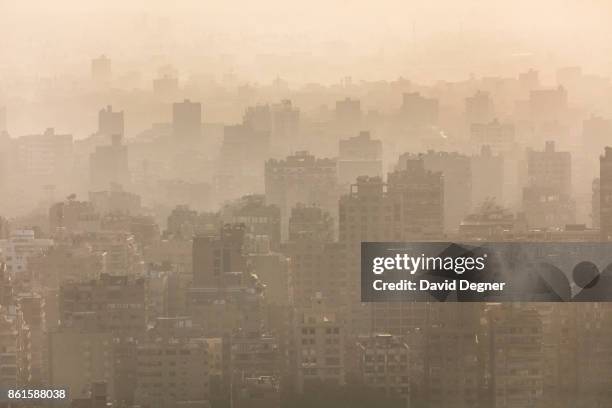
(172,372)
(319,348)
(78,358)
(384,363)
(111,303)
(301,178)
(516,356)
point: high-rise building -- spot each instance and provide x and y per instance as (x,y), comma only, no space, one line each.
(217,257)
(65,262)
(348,115)
(45,157)
(32,345)
(109,304)
(184,223)
(273,269)
(593,363)
(166,86)
(171,372)
(517,358)
(187,121)
(97,397)
(310,222)
(454,372)
(550,168)
(119,252)
(101,69)
(359,156)
(487,177)
(595,204)
(224,296)
(285,128)
(410,206)
(111,123)
(317,267)
(417,110)
(559,351)
(5,228)
(317,263)
(242,155)
(79,357)
(367,212)
(221,311)
(115,200)
(301,178)
(348,110)
(3,127)
(384,364)
(19,247)
(319,342)
(9,367)
(258,217)
(108,165)
(258,392)
(489,221)
(499,136)
(254,356)
(479,108)
(547,200)
(71,215)
(457,178)
(605,193)
(548,105)
(596,134)
(258,118)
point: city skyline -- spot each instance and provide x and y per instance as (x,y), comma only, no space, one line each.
(187,189)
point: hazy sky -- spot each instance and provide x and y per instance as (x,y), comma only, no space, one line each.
(41,36)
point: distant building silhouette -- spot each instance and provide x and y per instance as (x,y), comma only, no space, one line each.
(216,256)
(101,69)
(258,118)
(166,86)
(417,110)
(547,105)
(479,108)
(45,157)
(301,178)
(110,122)
(320,342)
(3,125)
(109,165)
(499,136)
(359,156)
(310,222)
(187,121)
(487,176)
(529,80)
(605,193)
(595,204)
(285,127)
(547,200)
(260,219)
(596,134)
(348,115)
(457,177)
(515,333)
(71,215)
